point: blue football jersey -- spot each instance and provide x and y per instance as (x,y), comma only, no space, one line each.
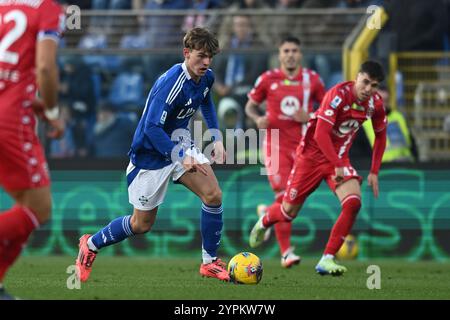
(173,100)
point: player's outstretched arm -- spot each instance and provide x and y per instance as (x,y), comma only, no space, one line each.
(377,156)
(47,80)
(47,72)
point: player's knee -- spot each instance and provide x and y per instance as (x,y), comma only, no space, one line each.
(43,211)
(140,227)
(352,203)
(289,210)
(212,196)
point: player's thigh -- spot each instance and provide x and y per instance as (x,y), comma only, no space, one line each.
(147,188)
(351,186)
(305,177)
(291,209)
(143,220)
(278,174)
(205,187)
(39,200)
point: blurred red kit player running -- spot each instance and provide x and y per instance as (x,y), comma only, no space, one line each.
(323,155)
(29,35)
(290,92)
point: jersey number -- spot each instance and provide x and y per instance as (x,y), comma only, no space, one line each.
(20,25)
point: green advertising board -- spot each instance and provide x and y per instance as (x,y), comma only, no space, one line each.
(410,219)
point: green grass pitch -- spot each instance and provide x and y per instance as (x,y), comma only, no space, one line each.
(145,278)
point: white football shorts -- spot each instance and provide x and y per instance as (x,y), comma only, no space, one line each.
(149,187)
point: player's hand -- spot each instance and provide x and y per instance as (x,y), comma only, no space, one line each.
(262,122)
(38,108)
(372,181)
(301,116)
(219,153)
(56,128)
(339,175)
(191,165)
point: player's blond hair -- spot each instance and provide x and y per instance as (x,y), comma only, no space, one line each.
(201,39)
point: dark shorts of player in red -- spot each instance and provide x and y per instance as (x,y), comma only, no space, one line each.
(307,175)
(279,167)
(22,159)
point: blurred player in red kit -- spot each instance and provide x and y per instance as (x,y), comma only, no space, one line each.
(323,155)
(290,92)
(29,35)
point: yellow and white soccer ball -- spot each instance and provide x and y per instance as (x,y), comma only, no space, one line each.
(245,268)
(349,249)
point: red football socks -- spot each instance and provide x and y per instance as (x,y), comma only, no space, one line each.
(350,208)
(275,213)
(16,225)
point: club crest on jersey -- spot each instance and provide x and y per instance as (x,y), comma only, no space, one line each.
(335,102)
(293,194)
(289,105)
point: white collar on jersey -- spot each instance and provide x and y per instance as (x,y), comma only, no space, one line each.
(186,72)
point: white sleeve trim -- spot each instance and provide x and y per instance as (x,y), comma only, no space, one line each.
(325,119)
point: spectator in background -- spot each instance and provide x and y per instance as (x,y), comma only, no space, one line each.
(111,4)
(235,73)
(64,147)
(400,144)
(200,19)
(127,91)
(113,132)
(259,22)
(78,92)
(165,31)
(282,25)
(418,25)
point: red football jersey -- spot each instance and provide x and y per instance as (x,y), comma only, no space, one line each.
(286,95)
(345,113)
(22,24)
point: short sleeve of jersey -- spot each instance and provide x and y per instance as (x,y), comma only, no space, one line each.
(330,106)
(259,91)
(51,20)
(379,119)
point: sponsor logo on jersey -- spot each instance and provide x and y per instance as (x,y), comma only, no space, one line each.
(357,107)
(189,102)
(346,108)
(329,112)
(289,105)
(347,127)
(288,82)
(335,102)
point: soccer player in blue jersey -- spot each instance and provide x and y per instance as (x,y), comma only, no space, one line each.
(155,158)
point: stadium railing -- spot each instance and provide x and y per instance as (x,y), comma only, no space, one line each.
(426,99)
